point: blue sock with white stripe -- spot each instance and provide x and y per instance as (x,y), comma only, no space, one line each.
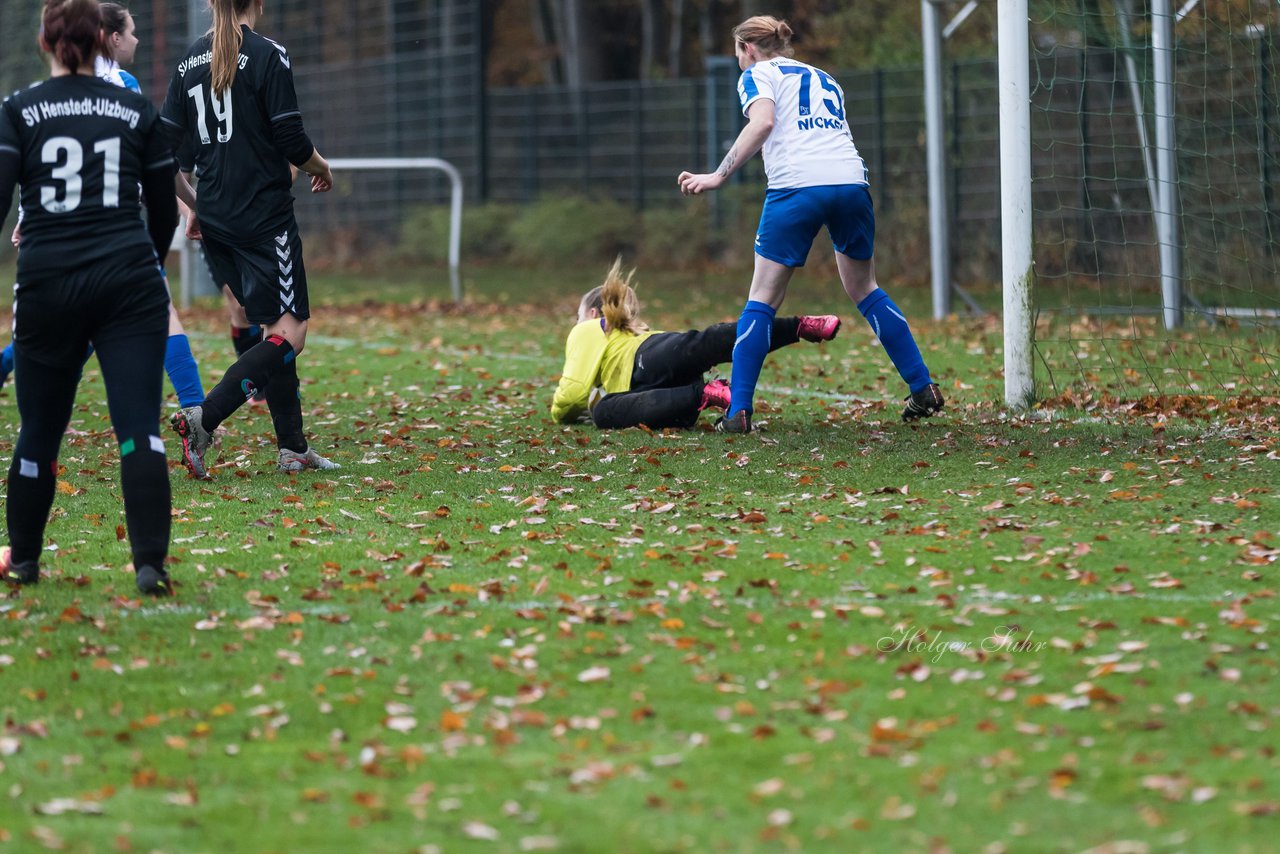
(890,326)
(180,365)
(755,328)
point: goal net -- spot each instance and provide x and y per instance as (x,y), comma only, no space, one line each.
(1155,198)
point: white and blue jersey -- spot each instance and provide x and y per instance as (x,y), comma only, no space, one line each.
(110,71)
(810,145)
(816,176)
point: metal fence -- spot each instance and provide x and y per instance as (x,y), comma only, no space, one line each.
(406,78)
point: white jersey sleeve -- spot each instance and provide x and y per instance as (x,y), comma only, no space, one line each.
(109,71)
(810,145)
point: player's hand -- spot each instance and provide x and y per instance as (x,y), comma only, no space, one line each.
(16,237)
(193,226)
(322,182)
(692,185)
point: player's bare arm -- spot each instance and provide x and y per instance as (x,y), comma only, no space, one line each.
(760,118)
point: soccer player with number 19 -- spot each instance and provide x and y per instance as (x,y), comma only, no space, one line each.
(232,96)
(816,177)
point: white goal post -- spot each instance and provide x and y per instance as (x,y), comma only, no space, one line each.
(186,248)
(1017,270)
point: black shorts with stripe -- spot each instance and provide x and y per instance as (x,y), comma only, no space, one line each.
(267,278)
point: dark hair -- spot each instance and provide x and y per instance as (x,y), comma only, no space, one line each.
(71,30)
(771,36)
(114,18)
(227,39)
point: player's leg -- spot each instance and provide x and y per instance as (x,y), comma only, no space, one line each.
(679,358)
(657,408)
(255,275)
(754,339)
(788,223)
(283,391)
(131,352)
(244,334)
(852,227)
(49,349)
(6,363)
(45,398)
(180,363)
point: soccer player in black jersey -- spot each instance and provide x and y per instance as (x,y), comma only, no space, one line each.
(87,274)
(233,97)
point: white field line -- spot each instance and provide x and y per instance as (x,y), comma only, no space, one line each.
(551,606)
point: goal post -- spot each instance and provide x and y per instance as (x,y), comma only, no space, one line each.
(187,251)
(1017,270)
(455,199)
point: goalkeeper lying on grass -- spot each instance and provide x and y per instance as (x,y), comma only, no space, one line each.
(620,373)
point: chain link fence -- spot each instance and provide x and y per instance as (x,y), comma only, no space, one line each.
(406,78)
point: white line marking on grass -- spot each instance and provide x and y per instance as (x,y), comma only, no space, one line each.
(228,617)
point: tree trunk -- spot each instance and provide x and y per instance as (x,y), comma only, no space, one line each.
(579,54)
(648,37)
(675,39)
(539,16)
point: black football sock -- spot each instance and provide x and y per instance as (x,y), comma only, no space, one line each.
(285,403)
(31,488)
(144,481)
(251,372)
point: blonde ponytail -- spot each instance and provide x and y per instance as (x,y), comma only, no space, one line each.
(618,303)
(227,39)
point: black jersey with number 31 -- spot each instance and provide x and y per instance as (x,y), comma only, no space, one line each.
(244,192)
(84,145)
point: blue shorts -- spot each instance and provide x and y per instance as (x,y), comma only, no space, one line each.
(791,219)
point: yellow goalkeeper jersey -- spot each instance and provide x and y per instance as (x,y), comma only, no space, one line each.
(593,358)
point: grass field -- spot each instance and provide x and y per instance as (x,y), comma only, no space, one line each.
(487,632)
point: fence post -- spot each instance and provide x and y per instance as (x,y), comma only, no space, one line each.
(637,140)
(531,138)
(882,156)
(936,161)
(482,101)
(1086,254)
(957,143)
(1263,78)
(584,135)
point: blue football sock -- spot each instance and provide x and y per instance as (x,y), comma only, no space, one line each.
(755,328)
(6,361)
(180,365)
(890,326)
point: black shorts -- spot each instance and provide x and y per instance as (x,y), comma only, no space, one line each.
(56,317)
(267,278)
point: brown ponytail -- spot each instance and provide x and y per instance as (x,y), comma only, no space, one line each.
(71,30)
(227,39)
(770,36)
